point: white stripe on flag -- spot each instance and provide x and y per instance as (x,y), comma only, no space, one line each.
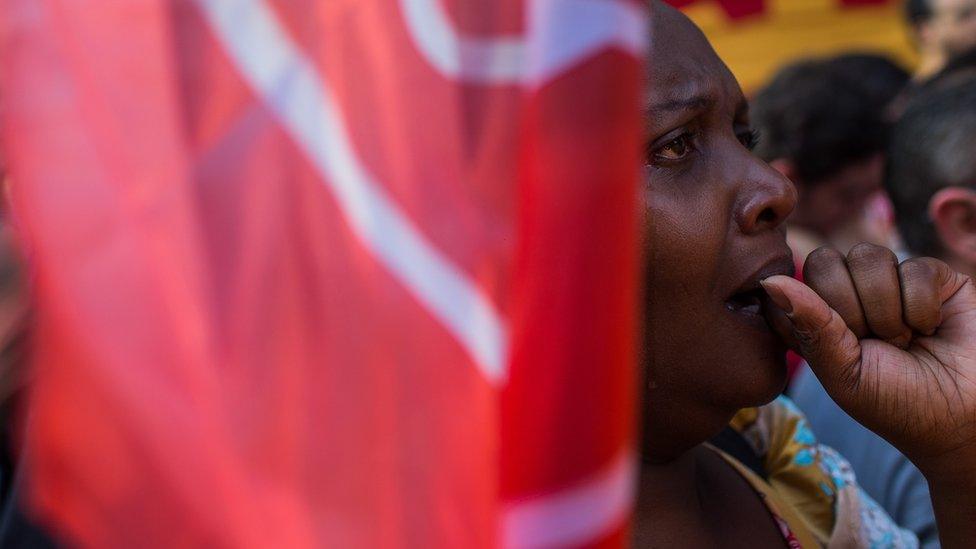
(290,85)
(561,34)
(574,516)
(498,59)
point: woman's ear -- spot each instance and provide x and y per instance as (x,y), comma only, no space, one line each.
(953,213)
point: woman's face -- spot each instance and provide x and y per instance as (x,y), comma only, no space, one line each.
(713,230)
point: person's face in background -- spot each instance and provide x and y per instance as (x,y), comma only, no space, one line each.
(835,202)
(712,229)
(952,27)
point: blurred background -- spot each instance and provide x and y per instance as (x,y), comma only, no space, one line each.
(756,37)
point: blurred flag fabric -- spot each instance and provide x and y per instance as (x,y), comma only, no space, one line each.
(341,274)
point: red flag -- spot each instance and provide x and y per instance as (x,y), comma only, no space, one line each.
(346,274)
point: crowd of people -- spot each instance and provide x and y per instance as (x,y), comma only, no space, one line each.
(831,165)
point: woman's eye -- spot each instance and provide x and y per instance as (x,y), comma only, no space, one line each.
(676,149)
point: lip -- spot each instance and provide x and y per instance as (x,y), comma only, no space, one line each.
(779,265)
(748,300)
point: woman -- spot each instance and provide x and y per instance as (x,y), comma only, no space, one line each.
(894,345)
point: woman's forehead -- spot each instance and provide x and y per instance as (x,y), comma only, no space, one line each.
(677,88)
(676,41)
(682,66)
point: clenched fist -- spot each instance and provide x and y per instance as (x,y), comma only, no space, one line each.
(895,346)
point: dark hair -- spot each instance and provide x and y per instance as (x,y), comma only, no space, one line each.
(933,146)
(820,115)
(918,11)
(959,68)
(881,77)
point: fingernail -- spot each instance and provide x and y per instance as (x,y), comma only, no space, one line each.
(778,297)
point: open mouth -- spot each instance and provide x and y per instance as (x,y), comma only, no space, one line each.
(749,302)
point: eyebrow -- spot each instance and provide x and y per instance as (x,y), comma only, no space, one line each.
(696,102)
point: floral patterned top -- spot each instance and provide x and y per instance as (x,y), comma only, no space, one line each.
(810,489)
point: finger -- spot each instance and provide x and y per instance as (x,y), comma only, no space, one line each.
(874,270)
(922,308)
(956,292)
(822,336)
(825,271)
(781,324)
(947,280)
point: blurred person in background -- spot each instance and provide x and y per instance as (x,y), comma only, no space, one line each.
(942,30)
(931,179)
(931,175)
(959,69)
(821,123)
(883,80)
(878,75)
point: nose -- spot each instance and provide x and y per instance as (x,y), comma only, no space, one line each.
(766,198)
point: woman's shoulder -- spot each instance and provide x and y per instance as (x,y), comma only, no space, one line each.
(814,479)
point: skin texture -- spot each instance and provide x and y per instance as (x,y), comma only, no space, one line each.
(714,222)
(912,377)
(894,345)
(714,219)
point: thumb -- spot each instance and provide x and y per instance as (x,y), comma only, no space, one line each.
(822,337)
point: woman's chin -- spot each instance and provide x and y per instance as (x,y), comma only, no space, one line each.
(770,379)
(756,378)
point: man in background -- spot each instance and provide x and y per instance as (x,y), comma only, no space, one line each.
(942,29)
(822,124)
(931,175)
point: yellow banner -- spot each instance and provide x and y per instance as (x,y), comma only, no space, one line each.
(755,38)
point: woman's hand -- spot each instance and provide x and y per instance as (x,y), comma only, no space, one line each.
(895,346)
